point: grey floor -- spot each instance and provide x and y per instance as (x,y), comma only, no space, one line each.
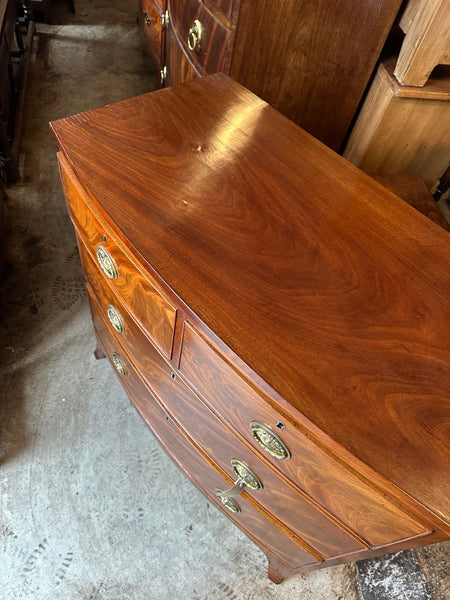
(90,506)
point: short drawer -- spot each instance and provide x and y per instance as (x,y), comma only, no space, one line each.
(344,495)
(154,313)
(203,37)
(187,458)
(122,323)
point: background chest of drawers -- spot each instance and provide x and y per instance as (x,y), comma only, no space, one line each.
(282,336)
(310,60)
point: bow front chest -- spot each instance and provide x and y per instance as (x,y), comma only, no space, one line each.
(279,319)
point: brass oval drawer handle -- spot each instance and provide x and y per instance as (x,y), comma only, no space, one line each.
(106,263)
(229,503)
(269,441)
(114,319)
(194,35)
(245,477)
(119,365)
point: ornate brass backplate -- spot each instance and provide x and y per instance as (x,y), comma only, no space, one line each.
(269,441)
(119,364)
(106,263)
(115,319)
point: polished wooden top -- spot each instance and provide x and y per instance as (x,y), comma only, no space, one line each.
(328,286)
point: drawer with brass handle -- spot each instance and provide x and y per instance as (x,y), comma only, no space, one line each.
(119,316)
(245,477)
(275,496)
(194,36)
(96,239)
(313,529)
(119,364)
(115,319)
(153,312)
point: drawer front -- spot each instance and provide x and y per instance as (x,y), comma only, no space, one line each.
(180,66)
(126,328)
(216,440)
(150,21)
(203,38)
(344,495)
(151,309)
(189,460)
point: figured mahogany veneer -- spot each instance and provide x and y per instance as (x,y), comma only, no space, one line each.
(261,278)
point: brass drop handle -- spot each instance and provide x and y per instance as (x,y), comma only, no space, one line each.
(120,367)
(163,75)
(106,263)
(114,319)
(194,35)
(245,478)
(269,440)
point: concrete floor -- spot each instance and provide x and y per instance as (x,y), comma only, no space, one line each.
(91,508)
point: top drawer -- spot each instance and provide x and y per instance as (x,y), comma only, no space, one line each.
(343,494)
(203,37)
(152,311)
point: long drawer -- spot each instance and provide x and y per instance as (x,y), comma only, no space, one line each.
(357,505)
(184,454)
(153,311)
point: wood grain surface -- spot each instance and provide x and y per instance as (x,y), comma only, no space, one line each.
(311,60)
(401,129)
(181,67)
(330,288)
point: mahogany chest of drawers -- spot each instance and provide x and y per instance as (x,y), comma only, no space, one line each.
(279,319)
(310,60)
